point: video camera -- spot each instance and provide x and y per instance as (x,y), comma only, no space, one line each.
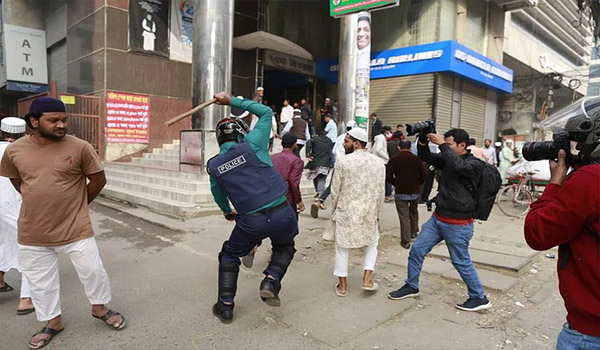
(546,150)
(427,127)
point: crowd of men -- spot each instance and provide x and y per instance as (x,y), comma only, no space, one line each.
(52,177)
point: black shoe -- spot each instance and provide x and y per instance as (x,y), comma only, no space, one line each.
(405,292)
(475,304)
(405,245)
(269,291)
(223,312)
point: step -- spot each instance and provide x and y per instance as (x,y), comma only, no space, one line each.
(174,152)
(169,157)
(150,170)
(151,179)
(156,163)
(170,147)
(485,256)
(160,205)
(174,194)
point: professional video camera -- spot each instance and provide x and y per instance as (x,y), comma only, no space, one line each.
(548,149)
(580,123)
(427,127)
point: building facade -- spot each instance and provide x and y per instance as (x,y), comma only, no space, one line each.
(136,60)
(548,48)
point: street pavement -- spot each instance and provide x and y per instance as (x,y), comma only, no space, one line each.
(163,273)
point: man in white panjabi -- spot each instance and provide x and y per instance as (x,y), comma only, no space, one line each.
(358,193)
(11,129)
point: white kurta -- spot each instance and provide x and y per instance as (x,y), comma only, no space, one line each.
(358,192)
(10,206)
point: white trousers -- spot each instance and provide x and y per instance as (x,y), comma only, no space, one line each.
(342,255)
(39,266)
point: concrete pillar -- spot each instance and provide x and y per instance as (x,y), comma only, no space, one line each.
(354,70)
(212,57)
(347,71)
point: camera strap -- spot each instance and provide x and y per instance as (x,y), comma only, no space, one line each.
(565,249)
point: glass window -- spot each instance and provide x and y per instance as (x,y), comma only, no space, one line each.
(594,89)
(596,53)
(595,71)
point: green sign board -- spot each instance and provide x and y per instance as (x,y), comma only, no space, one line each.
(345,7)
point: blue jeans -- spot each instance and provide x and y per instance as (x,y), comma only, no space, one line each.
(457,238)
(570,339)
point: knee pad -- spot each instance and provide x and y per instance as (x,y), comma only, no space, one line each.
(228,276)
(281,259)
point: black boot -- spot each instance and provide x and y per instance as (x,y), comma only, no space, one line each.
(269,291)
(223,312)
(228,275)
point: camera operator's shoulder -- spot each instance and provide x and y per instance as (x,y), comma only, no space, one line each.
(592,169)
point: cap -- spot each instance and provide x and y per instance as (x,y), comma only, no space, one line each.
(259,88)
(297,111)
(13,125)
(351,124)
(45,104)
(498,144)
(359,134)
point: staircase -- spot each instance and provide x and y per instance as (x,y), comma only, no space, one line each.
(155,182)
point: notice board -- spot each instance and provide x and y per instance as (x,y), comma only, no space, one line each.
(127,118)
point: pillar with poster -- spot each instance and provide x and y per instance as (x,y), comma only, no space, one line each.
(363,70)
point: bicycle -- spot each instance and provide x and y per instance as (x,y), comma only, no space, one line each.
(515,199)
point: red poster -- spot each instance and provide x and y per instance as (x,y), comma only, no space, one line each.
(127,118)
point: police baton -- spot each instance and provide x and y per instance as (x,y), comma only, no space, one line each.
(190,112)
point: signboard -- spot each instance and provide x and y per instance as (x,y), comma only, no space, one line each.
(127,118)
(290,63)
(67,99)
(182,30)
(446,56)
(149,26)
(344,7)
(26,87)
(25,55)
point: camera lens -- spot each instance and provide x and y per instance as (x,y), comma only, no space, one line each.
(539,150)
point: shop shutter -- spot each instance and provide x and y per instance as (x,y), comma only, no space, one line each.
(472,111)
(402,100)
(443,102)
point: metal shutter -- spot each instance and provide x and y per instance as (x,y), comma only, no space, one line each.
(443,102)
(472,111)
(402,100)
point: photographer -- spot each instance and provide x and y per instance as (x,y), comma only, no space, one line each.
(452,221)
(567,216)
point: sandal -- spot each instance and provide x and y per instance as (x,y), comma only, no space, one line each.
(371,288)
(25,311)
(6,288)
(46,330)
(338,292)
(110,314)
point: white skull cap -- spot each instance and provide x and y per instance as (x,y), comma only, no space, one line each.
(12,125)
(359,133)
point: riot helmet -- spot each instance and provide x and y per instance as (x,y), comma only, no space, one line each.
(581,120)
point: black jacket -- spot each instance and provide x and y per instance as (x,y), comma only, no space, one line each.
(377,128)
(459,180)
(306,111)
(320,149)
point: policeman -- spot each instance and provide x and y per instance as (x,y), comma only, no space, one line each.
(243,173)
